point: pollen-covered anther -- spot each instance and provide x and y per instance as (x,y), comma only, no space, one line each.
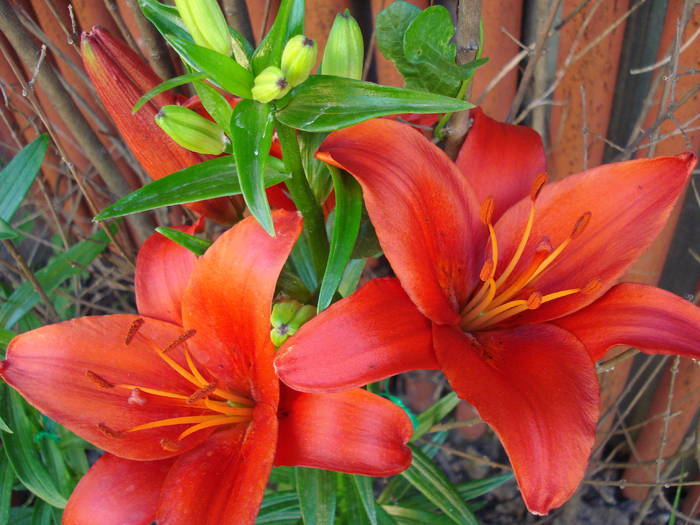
(537,185)
(487,270)
(593,286)
(544,246)
(534,300)
(110,432)
(170,445)
(201,393)
(486,212)
(136,397)
(133,330)
(581,224)
(98,380)
(181,339)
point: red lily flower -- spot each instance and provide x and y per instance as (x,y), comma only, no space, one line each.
(512,299)
(120,78)
(184,397)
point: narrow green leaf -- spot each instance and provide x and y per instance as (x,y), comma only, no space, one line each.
(7,231)
(5,337)
(279,507)
(365,493)
(17,177)
(215,104)
(165,18)
(325,103)
(316,489)
(478,487)
(60,268)
(208,180)
(251,133)
(346,226)
(434,414)
(22,452)
(194,244)
(7,481)
(434,485)
(406,516)
(351,277)
(167,86)
(45,514)
(288,23)
(223,70)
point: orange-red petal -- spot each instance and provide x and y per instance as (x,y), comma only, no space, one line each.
(229,298)
(375,333)
(629,203)
(66,369)
(423,210)
(116,491)
(537,388)
(222,481)
(163,269)
(648,318)
(354,431)
(500,160)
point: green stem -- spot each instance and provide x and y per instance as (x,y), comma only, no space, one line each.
(314,226)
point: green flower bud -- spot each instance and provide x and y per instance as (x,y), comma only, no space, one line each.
(270,84)
(344,53)
(298,59)
(206,23)
(287,317)
(191,130)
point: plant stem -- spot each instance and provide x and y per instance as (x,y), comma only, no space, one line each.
(314,226)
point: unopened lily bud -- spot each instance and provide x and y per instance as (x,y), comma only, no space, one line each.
(205,22)
(298,59)
(270,84)
(191,130)
(287,317)
(344,53)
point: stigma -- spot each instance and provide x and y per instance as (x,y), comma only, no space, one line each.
(507,293)
(210,405)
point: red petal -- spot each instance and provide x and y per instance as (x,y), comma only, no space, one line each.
(500,160)
(537,387)
(221,482)
(52,367)
(116,491)
(629,203)
(648,318)
(120,78)
(375,333)
(421,207)
(229,298)
(354,431)
(163,270)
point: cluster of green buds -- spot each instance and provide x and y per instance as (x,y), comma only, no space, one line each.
(344,53)
(287,317)
(206,23)
(191,130)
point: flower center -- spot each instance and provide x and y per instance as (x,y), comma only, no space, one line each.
(494,301)
(219,407)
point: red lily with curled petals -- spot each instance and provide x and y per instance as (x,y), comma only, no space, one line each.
(184,398)
(503,283)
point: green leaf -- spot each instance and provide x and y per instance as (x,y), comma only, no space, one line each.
(165,18)
(478,487)
(44,514)
(365,493)
(288,23)
(406,516)
(346,225)
(391,26)
(325,103)
(194,244)
(22,452)
(434,414)
(208,180)
(316,490)
(167,86)
(5,337)
(434,485)
(279,507)
(251,133)
(215,104)
(17,177)
(60,268)
(223,70)
(7,231)
(7,481)
(351,277)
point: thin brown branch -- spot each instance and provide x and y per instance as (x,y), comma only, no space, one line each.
(158,54)
(236,13)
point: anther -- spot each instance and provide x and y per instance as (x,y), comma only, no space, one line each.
(98,380)
(487,270)
(593,286)
(537,185)
(486,213)
(581,224)
(544,246)
(136,397)
(534,301)
(109,432)
(170,445)
(201,393)
(184,337)
(133,330)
